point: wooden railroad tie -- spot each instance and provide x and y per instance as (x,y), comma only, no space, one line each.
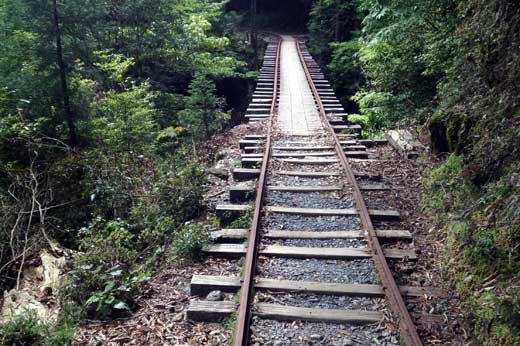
(201,285)
(240,234)
(241,193)
(239,250)
(209,311)
(222,209)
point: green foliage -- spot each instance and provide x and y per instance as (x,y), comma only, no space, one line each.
(242,222)
(103,279)
(358,119)
(188,243)
(330,21)
(445,185)
(23,330)
(113,65)
(482,233)
(26,329)
(344,67)
(203,115)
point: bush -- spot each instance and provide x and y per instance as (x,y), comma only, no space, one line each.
(27,329)
(189,242)
(104,279)
(23,330)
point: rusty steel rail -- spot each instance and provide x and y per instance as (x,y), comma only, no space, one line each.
(246,293)
(407,326)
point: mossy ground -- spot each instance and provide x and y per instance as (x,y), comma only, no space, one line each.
(481,227)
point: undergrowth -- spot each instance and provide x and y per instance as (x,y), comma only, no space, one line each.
(27,329)
(482,259)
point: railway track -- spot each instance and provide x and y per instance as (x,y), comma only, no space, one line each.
(312,252)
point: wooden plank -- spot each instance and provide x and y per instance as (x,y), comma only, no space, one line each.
(382,214)
(374,187)
(241,234)
(257,116)
(304,154)
(201,285)
(239,250)
(250,142)
(252,149)
(354,234)
(311,162)
(233,207)
(306,188)
(206,311)
(373,142)
(225,250)
(328,174)
(245,173)
(357,154)
(318,147)
(249,162)
(228,212)
(309,252)
(309,174)
(355,148)
(229,235)
(350,142)
(347,135)
(275,234)
(400,254)
(312,211)
(282,312)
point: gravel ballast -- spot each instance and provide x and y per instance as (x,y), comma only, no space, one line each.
(294,222)
(330,200)
(277,333)
(333,271)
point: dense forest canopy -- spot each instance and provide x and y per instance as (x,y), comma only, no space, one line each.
(103,105)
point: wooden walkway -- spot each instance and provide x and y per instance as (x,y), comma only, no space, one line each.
(297,113)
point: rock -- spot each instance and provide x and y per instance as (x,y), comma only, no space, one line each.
(403,141)
(215,296)
(347,342)
(219,172)
(277,343)
(178,317)
(232,267)
(53,268)
(316,337)
(19,302)
(221,154)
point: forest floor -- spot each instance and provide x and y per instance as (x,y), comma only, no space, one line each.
(159,318)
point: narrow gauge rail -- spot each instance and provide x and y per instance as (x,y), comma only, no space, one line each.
(340,148)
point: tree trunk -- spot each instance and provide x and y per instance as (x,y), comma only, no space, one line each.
(206,124)
(253,34)
(69,116)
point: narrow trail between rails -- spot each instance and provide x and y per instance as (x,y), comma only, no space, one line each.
(318,257)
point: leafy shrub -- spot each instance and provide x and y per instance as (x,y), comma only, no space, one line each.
(26,329)
(104,279)
(23,330)
(358,119)
(189,242)
(242,222)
